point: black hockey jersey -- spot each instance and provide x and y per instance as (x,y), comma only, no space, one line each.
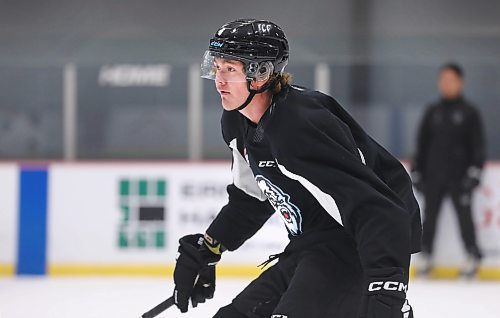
(309,161)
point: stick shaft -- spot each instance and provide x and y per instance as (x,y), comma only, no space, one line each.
(159,308)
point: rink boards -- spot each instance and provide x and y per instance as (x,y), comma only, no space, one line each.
(8,217)
(125,219)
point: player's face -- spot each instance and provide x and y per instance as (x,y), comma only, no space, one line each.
(450,84)
(230,81)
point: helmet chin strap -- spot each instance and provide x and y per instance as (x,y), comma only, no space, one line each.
(253,92)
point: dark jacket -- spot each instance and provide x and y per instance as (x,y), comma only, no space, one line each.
(450,141)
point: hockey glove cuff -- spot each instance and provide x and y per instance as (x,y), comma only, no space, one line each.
(385,295)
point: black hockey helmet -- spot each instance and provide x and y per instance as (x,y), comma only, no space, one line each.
(259,44)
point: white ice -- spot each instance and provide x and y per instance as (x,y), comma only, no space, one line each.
(98,297)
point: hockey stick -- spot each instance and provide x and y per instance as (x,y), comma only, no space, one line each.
(159,308)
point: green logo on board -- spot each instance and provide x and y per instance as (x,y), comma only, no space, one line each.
(142,213)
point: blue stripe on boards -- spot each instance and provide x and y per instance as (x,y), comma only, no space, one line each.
(31,253)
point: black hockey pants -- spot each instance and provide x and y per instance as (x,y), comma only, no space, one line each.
(434,195)
(318,282)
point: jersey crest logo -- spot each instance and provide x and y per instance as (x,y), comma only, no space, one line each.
(289,212)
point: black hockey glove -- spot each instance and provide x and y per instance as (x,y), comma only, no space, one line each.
(469,184)
(385,297)
(471,179)
(194,274)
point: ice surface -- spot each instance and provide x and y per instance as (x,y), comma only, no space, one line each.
(99,297)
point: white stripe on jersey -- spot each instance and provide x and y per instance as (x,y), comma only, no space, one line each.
(243,177)
(327,202)
(362,157)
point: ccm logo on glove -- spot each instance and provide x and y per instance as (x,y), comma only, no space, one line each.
(389,285)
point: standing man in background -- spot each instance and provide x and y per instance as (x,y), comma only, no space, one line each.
(449,159)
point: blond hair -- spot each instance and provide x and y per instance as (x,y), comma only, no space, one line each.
(279,81)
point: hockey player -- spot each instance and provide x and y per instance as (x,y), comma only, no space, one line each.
(449,160)
(346,202)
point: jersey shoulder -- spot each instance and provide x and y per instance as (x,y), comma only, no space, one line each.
(300,104)
(470,107)
(308,115)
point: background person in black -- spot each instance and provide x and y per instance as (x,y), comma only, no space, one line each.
(449,159)
(346,203)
